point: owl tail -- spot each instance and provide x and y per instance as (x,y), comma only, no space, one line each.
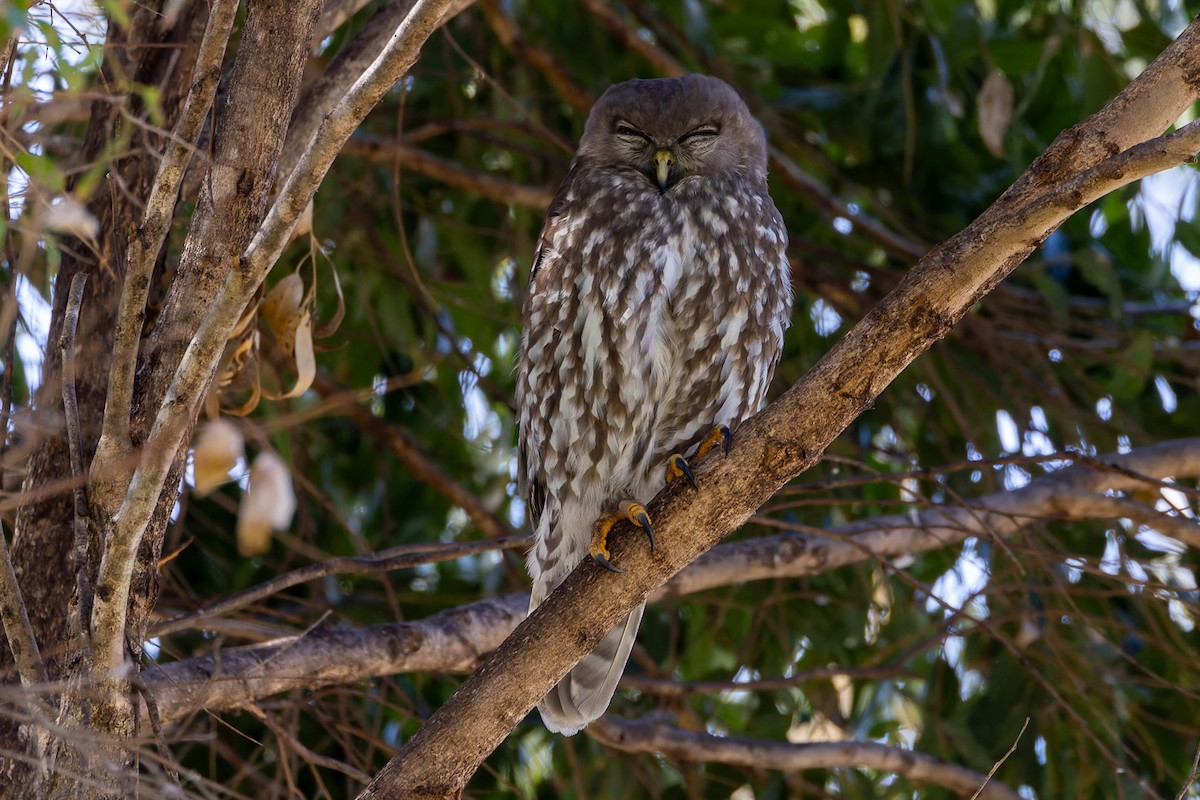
(584,694)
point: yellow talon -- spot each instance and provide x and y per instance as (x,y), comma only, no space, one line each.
(677,467)
(627,509)
(719,435)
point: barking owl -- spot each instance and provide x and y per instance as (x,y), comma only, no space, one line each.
(654,319)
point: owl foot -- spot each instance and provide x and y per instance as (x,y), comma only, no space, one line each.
(677,465)
(635,513)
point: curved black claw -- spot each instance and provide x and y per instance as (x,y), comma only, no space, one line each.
(727,436)
(603,561)
(677,465)
(643,521)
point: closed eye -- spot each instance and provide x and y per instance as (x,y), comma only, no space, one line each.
(701,133)
(625,130)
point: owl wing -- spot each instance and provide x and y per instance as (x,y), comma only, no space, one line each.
(530,485)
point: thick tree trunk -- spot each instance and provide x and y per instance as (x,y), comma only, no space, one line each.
(248,137)
(42,550)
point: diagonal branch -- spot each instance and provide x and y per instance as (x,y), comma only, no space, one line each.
(918,768)
(224,681)
(789,436)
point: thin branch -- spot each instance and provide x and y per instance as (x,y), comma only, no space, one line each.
(394,558)
(357,58)
(665,64)
(918,768)
(21,639)
(832,207)
(66,345)
(284,735)
(663,687)
(1076,493)
(147,240)
(1192,777)
(789,436)
(979,792)
(420,466)
(541,59)
(449,172)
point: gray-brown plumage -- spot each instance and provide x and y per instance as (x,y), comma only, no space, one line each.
(656,308)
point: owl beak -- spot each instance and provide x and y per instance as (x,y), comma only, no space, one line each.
(664,159)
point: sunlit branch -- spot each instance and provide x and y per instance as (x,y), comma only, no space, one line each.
(919,768)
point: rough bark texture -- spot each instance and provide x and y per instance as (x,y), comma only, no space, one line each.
(42,539)
(789,436)
(276,39)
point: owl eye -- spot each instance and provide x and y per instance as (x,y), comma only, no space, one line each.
(626,130)
(700,134)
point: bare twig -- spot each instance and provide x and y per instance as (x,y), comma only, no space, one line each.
(420,466)
(1192,777)
(354,60)
(1074,493)
(539,58)
(164,752)
(284,735)
(671,688)
(919,768)
(66,345)
(21,640)
(983,786)
(628,35)
(450,172)
(401,557)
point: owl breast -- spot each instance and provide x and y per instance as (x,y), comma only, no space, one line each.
(692,306)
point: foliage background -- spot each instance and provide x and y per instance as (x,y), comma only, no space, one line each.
(1087,630)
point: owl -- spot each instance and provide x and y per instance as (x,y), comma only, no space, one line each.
(654,318)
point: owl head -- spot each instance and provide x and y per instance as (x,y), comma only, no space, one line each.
(667,130)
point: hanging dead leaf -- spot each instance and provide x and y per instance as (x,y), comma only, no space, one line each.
(303,358)
(218,447)
(994,107)
(267,504)
(283,308)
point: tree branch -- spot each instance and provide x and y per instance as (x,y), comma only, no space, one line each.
(394,558)
(79,521)
(220,681)
(1076,493)
(450,172)
(788,437)
(21,639)
(918,768)
(348,67)
(177,413)
(234,196)
(146,242)
(450,641)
